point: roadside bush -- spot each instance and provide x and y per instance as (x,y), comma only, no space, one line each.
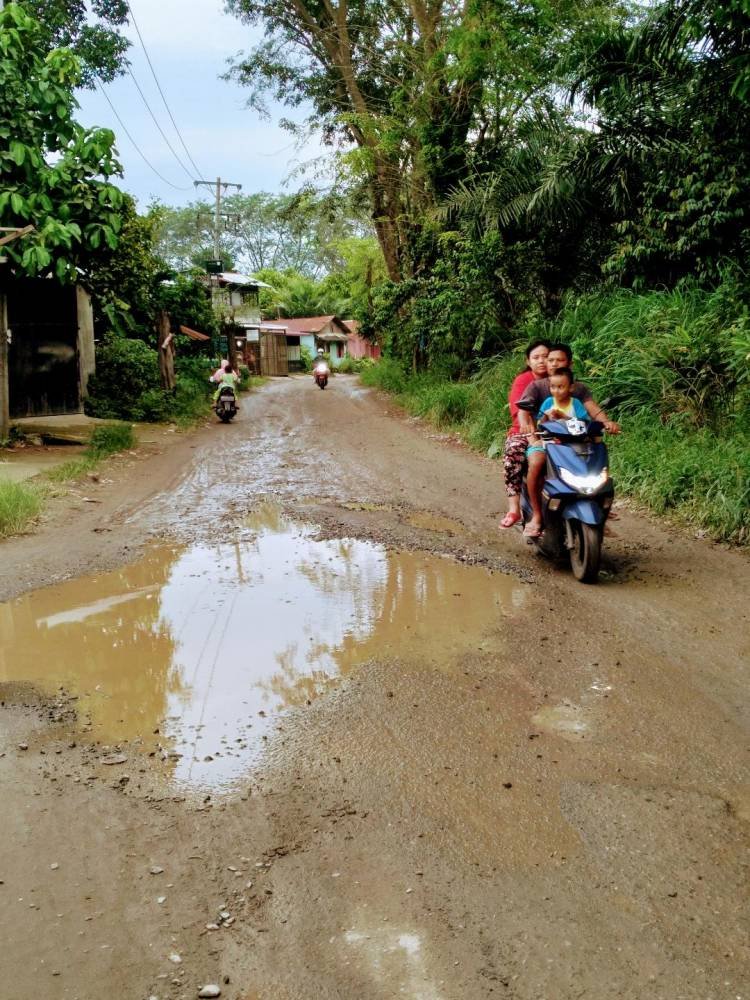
(107,439)
(306,358)
(20,504)
(153,407)
(354,366)
(386,374)
(125,370)
(682,353)
(701,478)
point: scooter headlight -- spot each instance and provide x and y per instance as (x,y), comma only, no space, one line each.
(585,484)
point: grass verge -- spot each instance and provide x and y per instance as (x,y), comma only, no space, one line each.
(20,505)
(696,476)
(106,439)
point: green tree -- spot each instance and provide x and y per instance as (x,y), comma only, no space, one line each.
(294,294)
(296,232)
(54,174)
(90,31)
(125,280)
(412,86)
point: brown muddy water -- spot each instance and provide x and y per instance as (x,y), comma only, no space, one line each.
(199,649)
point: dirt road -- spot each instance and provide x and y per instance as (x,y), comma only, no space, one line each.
(284,713)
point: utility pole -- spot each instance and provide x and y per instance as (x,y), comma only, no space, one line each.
(220,187)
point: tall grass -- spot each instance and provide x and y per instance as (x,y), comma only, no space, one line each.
(20,504)
(672,366)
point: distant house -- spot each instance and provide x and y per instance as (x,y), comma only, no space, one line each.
(234,297)
(50,346)
(312,332)
(357,346)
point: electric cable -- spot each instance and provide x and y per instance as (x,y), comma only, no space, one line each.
(143,156)
(161,92)
(161,130)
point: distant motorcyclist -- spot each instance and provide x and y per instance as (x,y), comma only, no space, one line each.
(227,377)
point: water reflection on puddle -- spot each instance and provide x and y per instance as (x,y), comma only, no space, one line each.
(209,643)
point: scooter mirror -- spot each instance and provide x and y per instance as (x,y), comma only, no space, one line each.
(526,404)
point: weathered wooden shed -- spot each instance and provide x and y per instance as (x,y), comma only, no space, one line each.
(47,346)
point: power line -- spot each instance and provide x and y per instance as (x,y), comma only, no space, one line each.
(158,85)
(161,130)
(137,147)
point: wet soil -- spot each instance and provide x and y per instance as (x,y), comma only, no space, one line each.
(285,711)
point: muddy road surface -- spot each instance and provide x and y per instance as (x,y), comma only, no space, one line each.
(284,714)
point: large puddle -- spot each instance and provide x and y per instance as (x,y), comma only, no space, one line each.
(208,644)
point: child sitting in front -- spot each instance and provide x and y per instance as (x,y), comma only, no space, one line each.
(560,405)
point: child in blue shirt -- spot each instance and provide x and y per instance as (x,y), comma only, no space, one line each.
(560,405)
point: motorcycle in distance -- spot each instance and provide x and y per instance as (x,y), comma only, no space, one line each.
(226,404)
(321,372)
(577,494)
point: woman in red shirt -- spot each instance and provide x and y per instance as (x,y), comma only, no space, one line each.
(515,443)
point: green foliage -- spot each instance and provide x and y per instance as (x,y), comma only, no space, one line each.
(293,294)
(306,358)
(699,477)
(127,385)
(20,505)
(302,232)
(51,167)
(680,354)
(353,366)
(186,301)
(106,439)
(468,302)
(388,375)
(126,370)
(88,30)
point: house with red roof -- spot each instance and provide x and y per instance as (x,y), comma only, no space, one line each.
(312,332)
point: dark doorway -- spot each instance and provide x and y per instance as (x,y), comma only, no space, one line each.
(43,355)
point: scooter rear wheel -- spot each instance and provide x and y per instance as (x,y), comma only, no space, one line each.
(586,552)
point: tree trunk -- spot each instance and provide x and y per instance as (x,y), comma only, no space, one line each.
(166,352)
(4,377)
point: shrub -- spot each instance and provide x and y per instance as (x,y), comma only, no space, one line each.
(306,358)
(110,438)
(354,366)
(153,406)
(125,370)
(20,504)
(386,374)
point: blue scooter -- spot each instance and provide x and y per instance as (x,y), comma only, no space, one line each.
(576,497)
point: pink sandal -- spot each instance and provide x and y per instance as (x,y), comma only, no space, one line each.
(510,519)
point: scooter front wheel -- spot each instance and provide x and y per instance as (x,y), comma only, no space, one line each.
(586,553)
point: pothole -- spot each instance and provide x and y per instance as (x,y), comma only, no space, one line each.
(202,648)
(434,522)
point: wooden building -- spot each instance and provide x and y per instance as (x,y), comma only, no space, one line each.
(47,350)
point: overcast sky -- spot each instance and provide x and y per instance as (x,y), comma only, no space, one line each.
(189,42)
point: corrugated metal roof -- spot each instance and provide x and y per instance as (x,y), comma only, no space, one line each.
(235,278)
